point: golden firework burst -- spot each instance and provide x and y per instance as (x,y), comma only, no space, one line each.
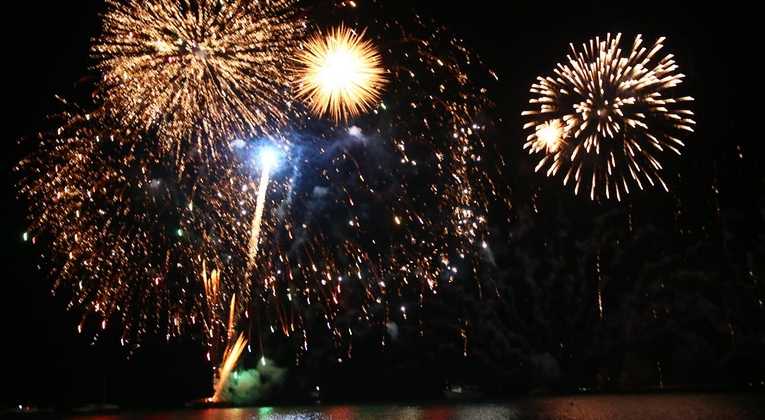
(340,73)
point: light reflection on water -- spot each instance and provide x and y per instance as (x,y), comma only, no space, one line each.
(340,412)
(578,407)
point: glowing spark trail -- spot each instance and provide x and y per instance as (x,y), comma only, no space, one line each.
(611,109)
(256,220)
(340,73)
(211,283)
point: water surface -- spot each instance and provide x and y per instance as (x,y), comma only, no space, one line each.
(578,407)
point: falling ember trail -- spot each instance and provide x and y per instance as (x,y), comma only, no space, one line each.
(600,292)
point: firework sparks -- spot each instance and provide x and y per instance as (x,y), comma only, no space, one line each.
(113,224)
(365,219)
(340,73)
(612,110)
(211,283)
(351,220)
(197,73)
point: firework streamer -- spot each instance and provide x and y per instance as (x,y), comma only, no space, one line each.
(230,359)
(258,217)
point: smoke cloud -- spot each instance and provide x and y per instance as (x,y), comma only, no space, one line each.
(254,385)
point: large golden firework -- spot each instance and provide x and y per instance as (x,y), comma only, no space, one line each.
(339,73)
(199,73)
(609,113)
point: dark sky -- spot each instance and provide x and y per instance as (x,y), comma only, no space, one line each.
(718,46)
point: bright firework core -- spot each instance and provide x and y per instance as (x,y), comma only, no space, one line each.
(340,69)
(268,157)
(549,136)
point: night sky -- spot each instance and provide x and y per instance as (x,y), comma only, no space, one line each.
(682,274)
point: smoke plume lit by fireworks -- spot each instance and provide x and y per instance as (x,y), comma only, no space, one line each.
(613,116)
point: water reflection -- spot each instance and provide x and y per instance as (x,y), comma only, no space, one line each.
(580,407)
(650,406)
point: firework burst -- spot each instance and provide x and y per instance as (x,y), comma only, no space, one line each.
(605,117)
(339,73)
(347,222)
(117,236)
(197,73)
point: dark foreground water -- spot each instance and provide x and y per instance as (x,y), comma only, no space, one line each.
(581,407)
